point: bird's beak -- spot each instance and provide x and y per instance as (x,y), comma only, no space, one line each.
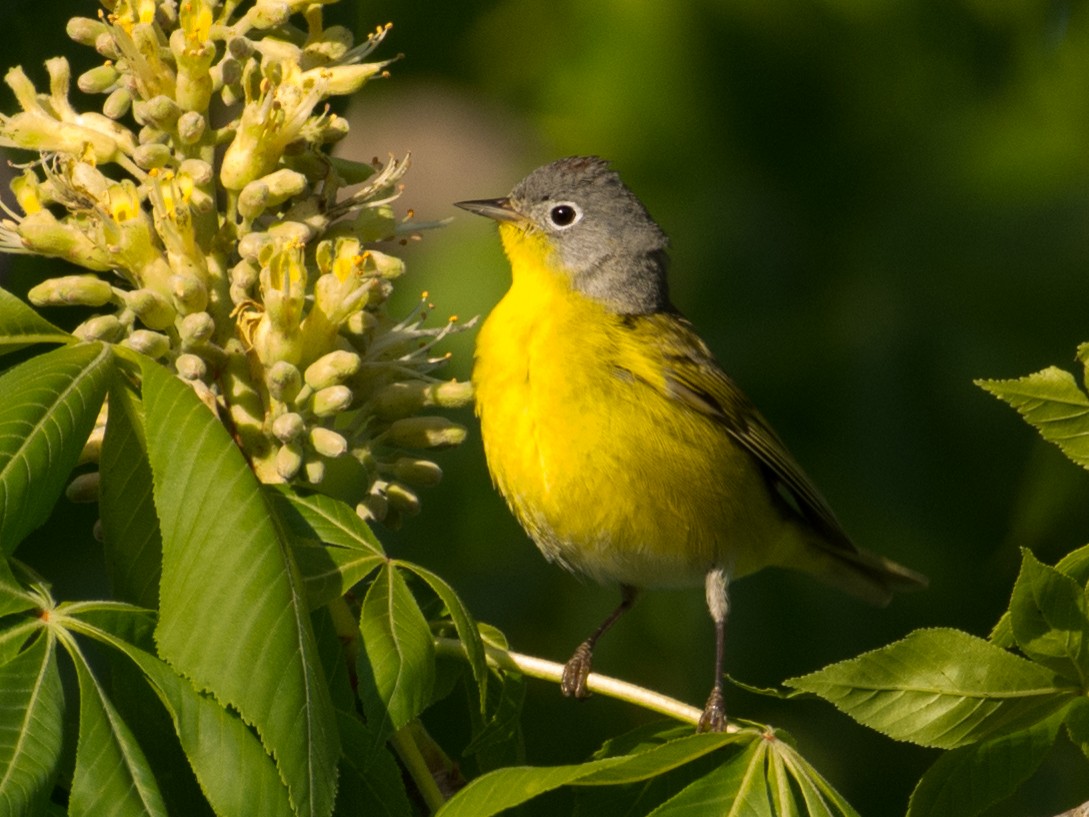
(498,209)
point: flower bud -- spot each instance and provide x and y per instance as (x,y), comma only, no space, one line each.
(92,449)
(191,367)
(85,30)
(331,369)
(189,294)
(83,488)
(146,342)
(160,112)
(288,427)
(284,381)
(154,154)
(315,470)
(71,290)
(417,472)
(401,498)
(373,508)
(289,460)
(328,443)
(191,126)
(118,103)
(197,327)
(331,400)
(98,80)
(244,274)
(405,398)
(151,308)
(101,327)
(360,322)
(425,432)
(198,170)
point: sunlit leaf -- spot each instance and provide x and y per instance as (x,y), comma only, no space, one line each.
(333,547)
(221,749)
(21,326)
(505,788)
(233,611)
(966,780)
(31,724)
(112,776)
(737,787)
(464,625)
(398,663)
(130,526)
(1048,619)
(49,407)
(942,688)
(1051,401)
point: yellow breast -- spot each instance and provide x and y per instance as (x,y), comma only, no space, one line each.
(595,461)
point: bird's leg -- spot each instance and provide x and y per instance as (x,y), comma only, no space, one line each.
(713,718)
(576,670)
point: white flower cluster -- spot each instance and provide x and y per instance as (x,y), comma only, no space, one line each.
(221,237)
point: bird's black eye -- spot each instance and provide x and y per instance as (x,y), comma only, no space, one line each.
(564,215)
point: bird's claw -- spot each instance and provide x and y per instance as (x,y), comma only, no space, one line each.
(575,673)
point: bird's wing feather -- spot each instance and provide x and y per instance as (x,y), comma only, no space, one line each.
(694,379)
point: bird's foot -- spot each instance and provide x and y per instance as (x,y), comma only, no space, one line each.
(575,672)
(713,718)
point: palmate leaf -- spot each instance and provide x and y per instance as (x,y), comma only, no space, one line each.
(130,526)
(234,616)
(31,726)
(334,548)
(505,788)
(966,780)
(1051,401)
(21,326)
(941,688)
(397,666)
(222,751)
(1049,619)
(112,775)
(466,627)
(48,408)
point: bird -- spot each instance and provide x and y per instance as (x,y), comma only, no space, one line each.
(617,440)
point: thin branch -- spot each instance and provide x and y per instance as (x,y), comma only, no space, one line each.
(602,684)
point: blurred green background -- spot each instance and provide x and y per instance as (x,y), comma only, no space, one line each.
(870,204)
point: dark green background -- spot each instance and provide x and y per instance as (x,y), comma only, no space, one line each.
(870,205)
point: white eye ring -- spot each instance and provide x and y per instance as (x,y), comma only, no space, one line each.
(564,214)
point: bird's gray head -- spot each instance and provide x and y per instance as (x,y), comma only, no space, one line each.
(601,234)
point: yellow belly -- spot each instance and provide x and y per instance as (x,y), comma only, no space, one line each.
(605,473)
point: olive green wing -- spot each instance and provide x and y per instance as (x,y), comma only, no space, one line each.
(694,379)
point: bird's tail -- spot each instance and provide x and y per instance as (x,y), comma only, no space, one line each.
(860,573)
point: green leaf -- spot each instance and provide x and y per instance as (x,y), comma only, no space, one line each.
(233,612)
(21,326)
(333,547)
(31,726)
(398,663)
(941,688)
(14,598)
(1048,619)
(1077,725)
(49,407)
(505,788)
(220,748)
(112,775)
(1074,564)
(966,780)
(817,793)
(737,787)
(1051,401)
(464,625)
(371,782)
(130,525)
